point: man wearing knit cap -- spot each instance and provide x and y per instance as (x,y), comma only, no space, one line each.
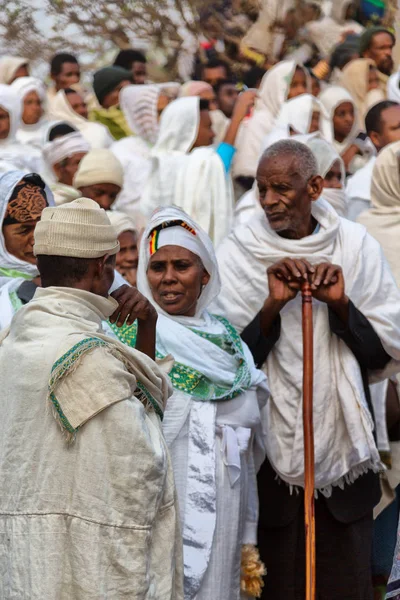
(87,508)
(100,176)
(107,84)
(377,44)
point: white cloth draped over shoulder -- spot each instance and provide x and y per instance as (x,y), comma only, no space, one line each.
(192,179)
(106,501)
(95,133)
(393,87)
(31,134)
(13,154)
(382,220)
(344,443)
(13,271)
(272,94)
(326,155)
(330,98)
(217,488)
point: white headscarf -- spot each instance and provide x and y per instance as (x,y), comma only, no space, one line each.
(330,99)
(8,67)
(355,78)
(121,222)
(96,134)
(382,220)
(326,155)
(13,154)
(194,180)
(272,94)
(139,105)
(297,113)
(65,146)
(31,134)
(19,270)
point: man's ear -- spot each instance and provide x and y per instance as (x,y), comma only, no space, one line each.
(100,266)
(374,137)
(315,186)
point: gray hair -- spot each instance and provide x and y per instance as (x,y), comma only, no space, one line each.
(305,159)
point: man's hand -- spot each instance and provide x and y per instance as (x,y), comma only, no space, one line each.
(285,278)
(132,305)
(327,285)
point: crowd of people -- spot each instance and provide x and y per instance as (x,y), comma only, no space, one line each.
(154,239)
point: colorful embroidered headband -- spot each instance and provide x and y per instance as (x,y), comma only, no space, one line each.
(179,226)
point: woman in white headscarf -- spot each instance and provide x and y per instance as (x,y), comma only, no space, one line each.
(360,78)
(284,81)
(340,123)
(13,154)
(23,196)
(12,67)
(187,172)
(204,90)
(32,93)
(331,168)
(96,134)
(142,106)
(212,422)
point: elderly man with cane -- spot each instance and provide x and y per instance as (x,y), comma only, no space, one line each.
(356,321)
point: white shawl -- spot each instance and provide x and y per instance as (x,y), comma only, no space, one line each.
(330,98)
(31,134)
(297,114)
(393,89)
(344,444)
(272,94)
(194,180)
(13,154)
(326,156)
(9,65)
(95,133)
(382,220)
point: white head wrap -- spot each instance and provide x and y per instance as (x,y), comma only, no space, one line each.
(121,222)
(330,98)
(326,155)
(200,244)
(79,229)
(99,166)
(8,67)
(10,101)
(297,113)
(24,85)
(64,147)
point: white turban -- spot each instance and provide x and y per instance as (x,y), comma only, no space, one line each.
(63,147)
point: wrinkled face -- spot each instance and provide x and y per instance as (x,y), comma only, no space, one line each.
(333,178)
(390,128)
(32,108)
(213,76)
(139,72)
(227,96)
(70,74)
(104,194)
(176,277)
(4,124)
(314,125)
(127,257)
(343,121)
(162,103)
(285,195)
(298,84)
(112,98)
(78,104)
(205,136)
(373,79)
(22,71)
(210,96)
(381,50)
(66,169)
(25,210)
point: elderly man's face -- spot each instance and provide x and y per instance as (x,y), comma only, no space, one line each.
(286,195)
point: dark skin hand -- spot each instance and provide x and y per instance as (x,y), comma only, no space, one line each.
(133,305)
(285,278)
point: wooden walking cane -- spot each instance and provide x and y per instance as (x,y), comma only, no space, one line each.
(308,430)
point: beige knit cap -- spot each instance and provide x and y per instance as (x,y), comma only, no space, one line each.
(80,229)
(99,166)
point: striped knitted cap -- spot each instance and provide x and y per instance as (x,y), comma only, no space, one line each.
(80,229)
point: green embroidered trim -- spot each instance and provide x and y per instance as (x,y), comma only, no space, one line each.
(189,380)
(63,419)
(150,398)
(14,273)
(16,303)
